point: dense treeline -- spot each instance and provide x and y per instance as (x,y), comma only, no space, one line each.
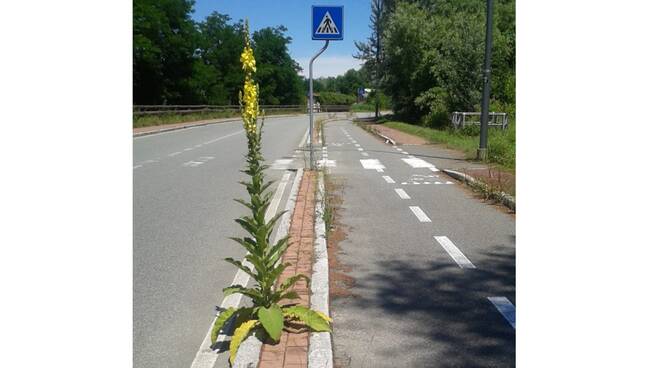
(179,61)
(427,55)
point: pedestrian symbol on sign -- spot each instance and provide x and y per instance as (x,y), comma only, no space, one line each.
(327,25)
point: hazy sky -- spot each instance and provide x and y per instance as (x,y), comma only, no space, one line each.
(295,15)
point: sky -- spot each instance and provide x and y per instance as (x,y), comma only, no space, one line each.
(295,15)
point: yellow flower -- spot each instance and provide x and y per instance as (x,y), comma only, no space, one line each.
(247,59)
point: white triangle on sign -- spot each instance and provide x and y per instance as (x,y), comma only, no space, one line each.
(327,25)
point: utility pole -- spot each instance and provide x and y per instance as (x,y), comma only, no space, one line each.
(482,152)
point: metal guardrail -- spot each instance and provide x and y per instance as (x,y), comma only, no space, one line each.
(141,110)
(461,119)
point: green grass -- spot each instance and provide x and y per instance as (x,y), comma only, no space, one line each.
(501,143)
(151,120)
(362,107)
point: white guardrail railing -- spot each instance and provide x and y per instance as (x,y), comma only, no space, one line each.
(461,119)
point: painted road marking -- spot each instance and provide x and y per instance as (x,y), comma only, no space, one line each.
(223,137)
(326,163)
(402,193)
(174,153)
(505,307)
(388,179)
(434,169)
(379,170)
(372,164)
(360,149)
(454,252)
(404,152)
(399,149)
(421,216)
(364,154)
(207,357)
(281,164)
(417,163)
(136,167)
(193,163)
(187,149)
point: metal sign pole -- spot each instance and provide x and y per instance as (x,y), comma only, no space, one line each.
(311,105)
(482,152)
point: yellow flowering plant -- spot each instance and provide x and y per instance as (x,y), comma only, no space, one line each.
(265,317)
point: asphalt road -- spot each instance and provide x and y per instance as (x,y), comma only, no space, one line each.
(184,184)
(419,301)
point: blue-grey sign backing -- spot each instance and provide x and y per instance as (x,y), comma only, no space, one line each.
(327,22)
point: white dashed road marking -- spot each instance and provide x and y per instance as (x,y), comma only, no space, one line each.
(174,153)
(364,154)
(402,193)
(388,179)
(505,307)
(421,216)
(136,166)
(417,163)
(372,164)
(454,252)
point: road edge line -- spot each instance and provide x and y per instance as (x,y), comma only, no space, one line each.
(320,343)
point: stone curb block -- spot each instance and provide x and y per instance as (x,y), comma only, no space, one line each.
(506,199)
(320,343)
(386,138)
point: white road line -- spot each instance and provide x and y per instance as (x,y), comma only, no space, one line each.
(372,164)
(136,166)
(206,357)
(454,252)
(417,163)
(434,169)
(187,149)
(360,149)
(379,170)
(357,145)
(404,152)
(421,216)
(270,212)
(364,154)
(402,193)
(505,307)
(399,149)
(388,179)
(174,153)
(224,136)
(304,138)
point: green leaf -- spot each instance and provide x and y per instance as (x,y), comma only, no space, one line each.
(316,321)
(242,267)
(239,335)
(292,280)
(272,320)
(219,323)
(249,292)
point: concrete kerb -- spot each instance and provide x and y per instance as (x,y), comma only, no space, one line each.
(250,350)
(506,199)
(386,138)
(320,343)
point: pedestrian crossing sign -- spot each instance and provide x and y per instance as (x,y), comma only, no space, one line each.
(327,22)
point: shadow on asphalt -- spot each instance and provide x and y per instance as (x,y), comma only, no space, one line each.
(447,307)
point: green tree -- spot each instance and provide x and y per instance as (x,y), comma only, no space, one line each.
(278,72)
(164,40)
(370,51)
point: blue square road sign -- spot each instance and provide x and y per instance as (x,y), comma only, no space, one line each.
(327,22)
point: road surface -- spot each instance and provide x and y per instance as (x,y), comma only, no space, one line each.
(434,267)
(183,189)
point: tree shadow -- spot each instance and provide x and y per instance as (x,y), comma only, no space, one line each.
(445,306)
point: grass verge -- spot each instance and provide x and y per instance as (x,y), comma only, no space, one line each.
(164,119)
(501,143)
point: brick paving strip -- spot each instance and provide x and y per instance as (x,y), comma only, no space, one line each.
(292,349)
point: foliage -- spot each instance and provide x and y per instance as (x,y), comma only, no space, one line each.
(432,57)
(501,143)
(179,61)
(264,258)
(335,98)
(371,50)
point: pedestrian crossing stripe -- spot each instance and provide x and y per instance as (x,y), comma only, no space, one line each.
(327,25)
